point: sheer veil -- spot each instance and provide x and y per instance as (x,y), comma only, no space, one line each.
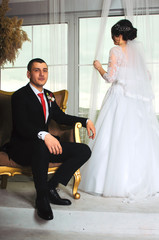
(136,75)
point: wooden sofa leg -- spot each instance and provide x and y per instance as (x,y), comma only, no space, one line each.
(4,179)
(77,179)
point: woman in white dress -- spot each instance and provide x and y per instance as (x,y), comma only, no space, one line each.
(125,152)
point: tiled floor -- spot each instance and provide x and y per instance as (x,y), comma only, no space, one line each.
(91,217)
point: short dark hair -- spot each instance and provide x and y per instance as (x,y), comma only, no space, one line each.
(29,66)
(125,28)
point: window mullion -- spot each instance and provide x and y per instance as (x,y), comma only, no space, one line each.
(72,107)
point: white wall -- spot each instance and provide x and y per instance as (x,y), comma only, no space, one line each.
(37,11)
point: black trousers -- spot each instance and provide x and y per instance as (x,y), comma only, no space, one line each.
(74,155)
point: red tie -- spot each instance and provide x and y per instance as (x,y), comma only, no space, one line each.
(43,103)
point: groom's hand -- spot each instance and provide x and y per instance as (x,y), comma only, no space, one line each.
(53,144)
(91,131)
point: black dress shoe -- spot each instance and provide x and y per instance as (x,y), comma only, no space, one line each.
(56,199)
(43,208)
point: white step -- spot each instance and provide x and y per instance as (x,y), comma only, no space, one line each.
(88,218)
(82,221)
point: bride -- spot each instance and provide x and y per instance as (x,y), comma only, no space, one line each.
(125,153)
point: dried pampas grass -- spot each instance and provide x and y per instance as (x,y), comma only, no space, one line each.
(11,35)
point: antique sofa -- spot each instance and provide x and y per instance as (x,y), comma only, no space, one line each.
(7,166)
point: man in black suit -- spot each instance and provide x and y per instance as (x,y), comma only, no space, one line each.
(31,144)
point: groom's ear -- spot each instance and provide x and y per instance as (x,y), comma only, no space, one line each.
(28,74)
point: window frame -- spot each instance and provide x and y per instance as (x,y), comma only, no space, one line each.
(72,19)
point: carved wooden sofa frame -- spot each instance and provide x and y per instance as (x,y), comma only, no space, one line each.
(7,166)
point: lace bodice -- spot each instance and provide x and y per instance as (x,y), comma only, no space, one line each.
(116,59)
(128,68)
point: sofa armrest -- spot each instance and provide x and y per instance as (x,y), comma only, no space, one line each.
(78,125)
(77,174)
(66,133)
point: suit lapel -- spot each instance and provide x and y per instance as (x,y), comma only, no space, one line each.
(35,100)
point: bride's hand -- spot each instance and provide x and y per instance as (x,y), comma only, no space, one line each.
(97,64)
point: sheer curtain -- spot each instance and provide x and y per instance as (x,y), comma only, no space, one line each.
(58,54)
(95,83)
(95,90)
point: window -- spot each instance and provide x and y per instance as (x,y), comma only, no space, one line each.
(14,77)
(72,67)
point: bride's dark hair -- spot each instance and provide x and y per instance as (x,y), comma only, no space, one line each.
(124,28)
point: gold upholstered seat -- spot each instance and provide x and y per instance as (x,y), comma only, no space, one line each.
(67,133)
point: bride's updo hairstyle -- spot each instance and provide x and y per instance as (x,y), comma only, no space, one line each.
(124,28)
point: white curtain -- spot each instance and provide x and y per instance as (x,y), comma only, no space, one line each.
(58,54)
(95,84)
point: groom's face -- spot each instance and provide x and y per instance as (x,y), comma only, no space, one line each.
(38,74)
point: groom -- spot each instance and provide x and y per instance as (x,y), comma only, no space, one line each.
(31,144)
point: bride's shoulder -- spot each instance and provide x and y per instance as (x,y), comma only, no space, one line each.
(116,50)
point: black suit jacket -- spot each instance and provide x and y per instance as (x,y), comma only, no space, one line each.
(28,121)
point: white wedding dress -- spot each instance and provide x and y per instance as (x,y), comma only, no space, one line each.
(125,152)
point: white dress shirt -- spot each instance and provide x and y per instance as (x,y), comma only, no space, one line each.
(41,134)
